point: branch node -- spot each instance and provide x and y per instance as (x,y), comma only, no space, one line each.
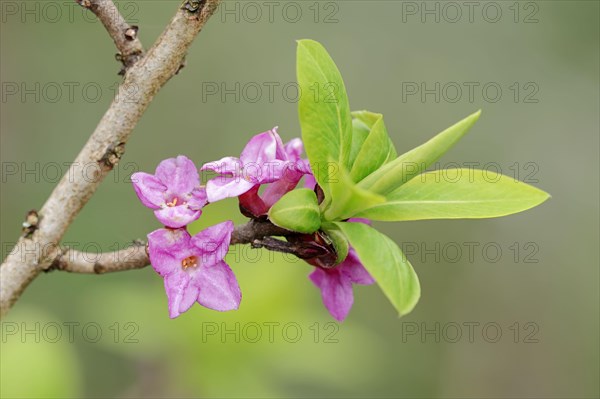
(57,263)
(30,224)
(99,269)
(181,66)
(193,6)
(131,32)
(113,154)
(84,3)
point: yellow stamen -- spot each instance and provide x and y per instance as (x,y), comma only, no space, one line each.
(172,203)
(190,261)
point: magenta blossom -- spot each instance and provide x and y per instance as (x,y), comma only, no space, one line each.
(174,191)
(336,283)
(193,268)
(263,160)
(295,167)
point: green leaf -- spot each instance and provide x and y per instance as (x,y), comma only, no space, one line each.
(360,132)
(298,211)
(323,110)
(408,165)
(369,119)
(457,194)
(338,238)
(376,149)
(386,263)
(348,199)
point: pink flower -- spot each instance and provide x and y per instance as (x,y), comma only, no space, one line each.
(295,168)
(255,205)
(336,283)
(193,268)
(174,191)
(263,160)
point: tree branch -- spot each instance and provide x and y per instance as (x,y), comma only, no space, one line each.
(255,230)
(124,35)
(133,257)
(257,233)
(103,150)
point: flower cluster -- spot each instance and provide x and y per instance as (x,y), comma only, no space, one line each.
(193,267)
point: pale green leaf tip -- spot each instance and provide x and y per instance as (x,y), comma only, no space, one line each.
(474,117)
(543,195)
(409,309)
(415,300)
(302,42)
(547,196)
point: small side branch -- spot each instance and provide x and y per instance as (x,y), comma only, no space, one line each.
(256,230)
(259,234)
(134,257)
(124,35)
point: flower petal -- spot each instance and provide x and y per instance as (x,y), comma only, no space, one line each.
(354,269)
(226,187)
(303,166)
(280,152)
(219,289)
(212,243)
(294,149)
(166,248)
(310,181)
(270,171)
(261,148)
(180,293)
(176,216)
(251,204)
(179,175)
(336,291)
(274,191)
(149,189)
(197,199)
(224,166)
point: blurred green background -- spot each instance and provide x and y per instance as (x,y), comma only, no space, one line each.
(541,293)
